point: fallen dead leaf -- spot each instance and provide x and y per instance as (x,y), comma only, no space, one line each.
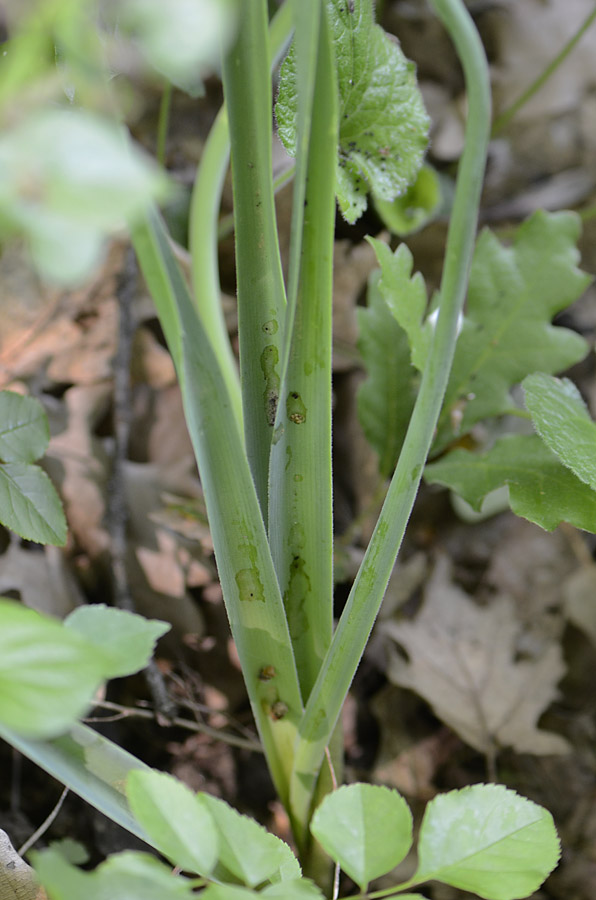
(464,661)
(17,879)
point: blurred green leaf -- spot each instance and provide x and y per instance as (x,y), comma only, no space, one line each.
(246,850)
(48,674)
(125,876)
(126,639)
(174,818)
(68,179)
(24,429)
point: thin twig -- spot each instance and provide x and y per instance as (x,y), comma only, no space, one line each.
(129,712)
(44,825)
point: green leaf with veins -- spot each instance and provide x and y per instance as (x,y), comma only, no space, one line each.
(562,420)
(489,840)
(386,398)
(383,130)
(541,488)
(30,506)
(24,429)
(507,333)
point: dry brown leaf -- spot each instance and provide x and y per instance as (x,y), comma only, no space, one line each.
(78,465)
(579,592)
(41,577)
(17,879)
(463,659)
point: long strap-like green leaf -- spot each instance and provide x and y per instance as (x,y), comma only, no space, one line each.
(351,635)
(251,591)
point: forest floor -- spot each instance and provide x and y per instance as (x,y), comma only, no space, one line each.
(501,583)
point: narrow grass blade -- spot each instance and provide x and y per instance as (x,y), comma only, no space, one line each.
(250,587)
(261,291)
(300,482)
(350,638)
(90,765)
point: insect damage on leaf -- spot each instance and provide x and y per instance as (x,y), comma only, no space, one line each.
(383,130)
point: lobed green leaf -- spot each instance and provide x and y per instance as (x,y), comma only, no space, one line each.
(514,293)
(489,840)
(383,124)
(24,429)
(365,828)
(386,398)
(562,420)
(541,489)
(126,639)
(413,210)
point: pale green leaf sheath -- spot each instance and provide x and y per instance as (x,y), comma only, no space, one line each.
(383,126)
(562,420)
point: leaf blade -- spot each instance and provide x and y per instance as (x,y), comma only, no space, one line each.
(29,504)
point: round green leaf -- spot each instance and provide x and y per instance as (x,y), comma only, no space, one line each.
(177,823)
(126,639)
(24,429)
(246,849)
(562,420)
(488,840)
(365,828)
(29,504)
(48,674)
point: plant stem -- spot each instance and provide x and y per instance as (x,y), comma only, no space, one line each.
(301,521)
(261,291)
(503,120)
(163,123)
(351,635)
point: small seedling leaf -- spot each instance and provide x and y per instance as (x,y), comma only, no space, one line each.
(489,840)
(386,398)
(30,506)
(541,488)
(562,420)
(383,131)
(365,828)
(514,293)
(177,823)
(126,639)
(48,674)
(246,849)
(24,429)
